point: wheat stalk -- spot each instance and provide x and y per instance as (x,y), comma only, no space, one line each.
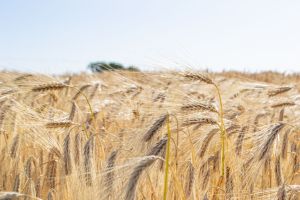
(84,87)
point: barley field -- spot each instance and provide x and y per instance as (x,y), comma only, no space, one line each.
(152,135)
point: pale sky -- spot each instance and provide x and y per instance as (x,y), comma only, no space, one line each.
(65,35)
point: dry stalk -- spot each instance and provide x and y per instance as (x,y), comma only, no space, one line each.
(80,91)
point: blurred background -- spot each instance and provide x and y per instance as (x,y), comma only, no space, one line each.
(67,36)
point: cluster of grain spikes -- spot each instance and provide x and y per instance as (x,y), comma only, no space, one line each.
(137,171)
(51,148)
(209,81)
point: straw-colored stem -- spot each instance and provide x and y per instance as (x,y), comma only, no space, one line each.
(167,159)
(223,131)
(87,100)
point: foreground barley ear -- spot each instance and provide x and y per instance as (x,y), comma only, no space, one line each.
(278,174)
(50,195)
(279,90)
(228,184)
(205,179)
(10,195)
(190,178)
(239,141)
(273,132)
(206,142)
(14,147)
(77,148)
(88,153)
(72,112)
(200,121)
(62,124)
(218,188)
(49,86)
(294,150)
(67,155)
(51,170)
(38,187)
(155,127)
(134,177)
(16,183)
(198,76)
(283,104)
(281,115)
(198,107)
(285,144)
(22,77)
(281,193)
(110,175)
(28,167)
(94,90)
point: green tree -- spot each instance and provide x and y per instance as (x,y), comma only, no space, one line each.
(103,66)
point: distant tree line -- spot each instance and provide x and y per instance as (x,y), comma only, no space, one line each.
(104,66)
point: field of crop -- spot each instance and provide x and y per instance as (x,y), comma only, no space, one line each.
(133,135)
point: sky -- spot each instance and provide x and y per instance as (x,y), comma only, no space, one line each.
(61,36)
